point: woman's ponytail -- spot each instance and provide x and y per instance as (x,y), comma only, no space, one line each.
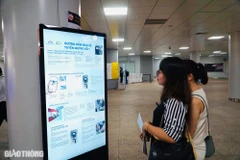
(202,73)
(198,71)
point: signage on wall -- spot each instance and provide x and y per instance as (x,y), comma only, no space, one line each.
(74,20)
(214,67)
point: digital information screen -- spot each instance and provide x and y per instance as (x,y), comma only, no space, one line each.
(72,70)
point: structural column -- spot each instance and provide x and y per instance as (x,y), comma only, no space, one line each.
(234,67)
(195,57)
(20,21)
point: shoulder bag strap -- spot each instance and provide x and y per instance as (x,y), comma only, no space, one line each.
(205,103)
(162,119)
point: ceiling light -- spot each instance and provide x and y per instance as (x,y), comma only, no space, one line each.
(183,47)
(3,56)
(166,56)
(211,56)
(156,58)
(115,11)
(215,37)
(216,52)
(168,53)
(147,51)
(177,54)
(127,48)
(117,39)
(223,53)
(131,54)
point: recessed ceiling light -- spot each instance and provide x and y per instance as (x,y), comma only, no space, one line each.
(223,53)
(168,53)
(118,40)
(216,52)
(147,51)
(215,37)
(115,11)
(131,54)
(183,47)
(166,56)
(127,48)
(177,54)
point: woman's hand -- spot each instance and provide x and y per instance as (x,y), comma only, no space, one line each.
(142,136)
(145,135)
(145,126)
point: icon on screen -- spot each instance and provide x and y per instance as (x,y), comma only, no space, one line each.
(100,127)
(94,38)
(63,87)
(62,78)
(98,50)
(58,43)
(85,81)
(55,114)
(50,42)
(52,85)
(99,105)
(73,135)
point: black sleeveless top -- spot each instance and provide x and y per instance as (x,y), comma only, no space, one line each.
(157,116)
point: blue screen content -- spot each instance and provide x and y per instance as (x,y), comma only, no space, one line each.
(75,93)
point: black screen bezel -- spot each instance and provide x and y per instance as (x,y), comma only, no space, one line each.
(101,152)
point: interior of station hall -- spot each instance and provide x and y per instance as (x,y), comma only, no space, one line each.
(140,34)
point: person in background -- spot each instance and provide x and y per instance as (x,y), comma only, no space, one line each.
(197,120)
(127,75)
(175,99)
(121,75)
(3,106)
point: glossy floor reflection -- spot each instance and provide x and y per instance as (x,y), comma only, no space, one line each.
(124,106)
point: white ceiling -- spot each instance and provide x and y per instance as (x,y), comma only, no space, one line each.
(185,19)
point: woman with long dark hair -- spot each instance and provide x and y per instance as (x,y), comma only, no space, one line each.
(197,120)
(169,118)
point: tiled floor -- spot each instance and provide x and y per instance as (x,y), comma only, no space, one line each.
(124,106)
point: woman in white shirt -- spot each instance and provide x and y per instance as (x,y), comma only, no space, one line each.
(197,120)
